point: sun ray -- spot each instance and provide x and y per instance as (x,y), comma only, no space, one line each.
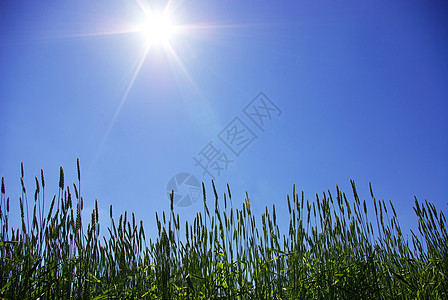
(169,49)
(131,83)
(123,100)
(188,30)
(153,22)
(99,33)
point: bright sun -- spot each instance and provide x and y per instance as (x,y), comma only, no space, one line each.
(158,29)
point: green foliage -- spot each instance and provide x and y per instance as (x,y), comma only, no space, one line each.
(331,251)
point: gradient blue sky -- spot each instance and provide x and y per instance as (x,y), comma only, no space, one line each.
(362,87)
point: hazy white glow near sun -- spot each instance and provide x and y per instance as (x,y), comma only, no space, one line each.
(158,29)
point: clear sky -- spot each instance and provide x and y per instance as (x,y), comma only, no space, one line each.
(351,90)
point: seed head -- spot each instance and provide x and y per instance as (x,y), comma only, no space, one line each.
(3,186)
(37,185)
(79,172)
(61,178)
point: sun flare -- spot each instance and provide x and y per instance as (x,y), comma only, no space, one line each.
(162,30)
(158,29)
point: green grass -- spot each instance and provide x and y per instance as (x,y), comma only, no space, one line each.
(331,251)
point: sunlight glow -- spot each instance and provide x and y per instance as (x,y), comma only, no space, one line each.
(158,29)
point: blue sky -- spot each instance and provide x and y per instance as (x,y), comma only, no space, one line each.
(361,89)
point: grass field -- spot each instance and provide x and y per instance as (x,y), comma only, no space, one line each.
(331,251)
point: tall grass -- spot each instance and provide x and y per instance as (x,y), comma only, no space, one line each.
(331,250)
